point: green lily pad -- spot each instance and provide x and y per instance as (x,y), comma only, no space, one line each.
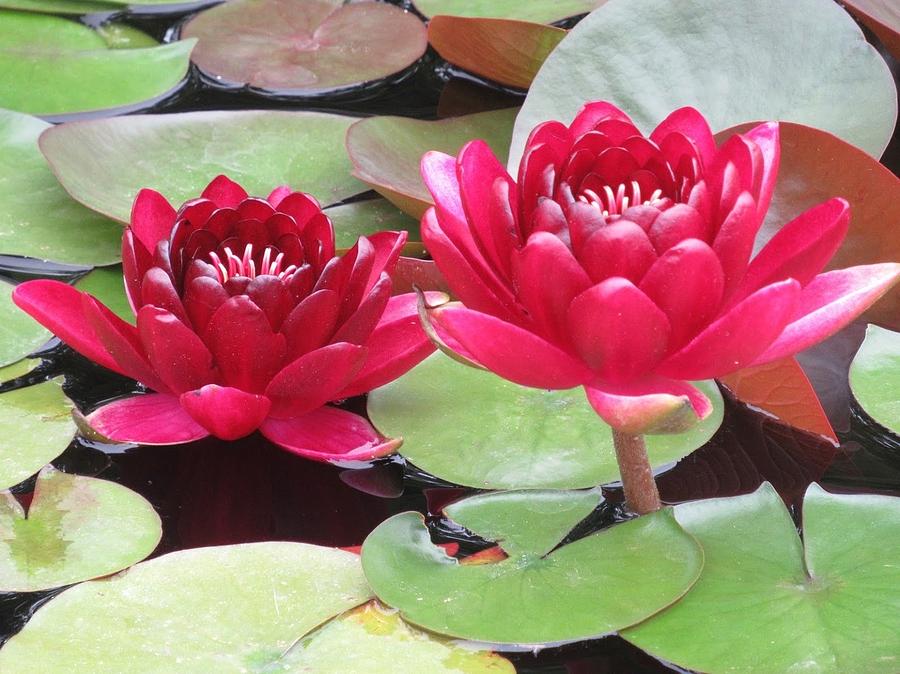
(20,334)
(53,66)
(37,218)
(306,48)
(596,585)
(768,603)
(386,151)
(104,163)
(35,424)
(734,61)
(108,286)
(473,428)
(539,11)
(362,218)
(76,528)
(59,6)
(220,609)
(373,640)
(123,36)
(875,376)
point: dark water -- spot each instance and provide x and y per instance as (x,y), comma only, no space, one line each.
(215,493)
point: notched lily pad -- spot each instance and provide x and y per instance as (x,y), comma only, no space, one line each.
(75,529)
(539,11)
(875,376)
(768,603)
(37,218)
(104,163)
(386,151)
(473,428)
(35,425)
(314,47)
(53,66)
(537,594)
(19,333)
(229,608)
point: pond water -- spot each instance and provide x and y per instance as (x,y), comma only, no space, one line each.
(214,493)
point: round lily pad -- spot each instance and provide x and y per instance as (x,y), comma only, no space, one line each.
(35,424)
(54,66)
(362,218)
(104,163)
(883,17)
(59,6)
(221,609)
(539,11)
(386,151)
(371,639)
(473,428)
(537,594)
(108,286)
(20,334)
(734,61)
(76,528)
(875,376)
(286,47)
(767,603)
(37,218)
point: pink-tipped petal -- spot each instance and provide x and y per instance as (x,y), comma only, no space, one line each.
(655,406)
(224,192)
(227,413)
(735,339)
(152,218)
(278,194)
(153,419)
(510,351)
(329,434)
(830,302)
(178,356)
(693,125)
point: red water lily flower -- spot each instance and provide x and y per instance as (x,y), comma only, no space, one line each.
(624,263)
(246,319)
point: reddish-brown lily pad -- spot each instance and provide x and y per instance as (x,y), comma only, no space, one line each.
(304,48)
(882,17)
(386,151)
(816,166)
(506,51)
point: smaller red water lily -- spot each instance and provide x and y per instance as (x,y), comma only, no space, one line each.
(246,319)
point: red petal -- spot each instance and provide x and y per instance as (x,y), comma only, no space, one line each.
(278,194)
(203,296)
(153,419)
(227,413)
(591,114)
(734,242)
(271,295)
(618,330)
(388,246)
(652,406)
(224,192)
(619,249)
(176,353)
(357,328)
(136,260)
(694,126)
(311,323)
(152,218)
(676,224)
(767,138)
(329,434)
(157,290)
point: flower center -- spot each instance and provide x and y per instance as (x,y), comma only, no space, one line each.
(247,266)
(616,202)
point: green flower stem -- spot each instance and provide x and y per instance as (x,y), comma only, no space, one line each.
(641,493)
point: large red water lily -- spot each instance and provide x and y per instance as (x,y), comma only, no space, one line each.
(624,263)
(246,319)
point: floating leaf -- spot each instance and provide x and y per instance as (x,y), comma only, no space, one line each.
(503,50)
(37,218)
(59,6)
(123,36)
(362,218)
(593,586)
(539,11)
(767,604)
(474,428)
(386,150)
(35,426)
(781,388)
(816,166)
(307,48)
(104,163)
(374,640)
(882,17)
(734,61)
(875,377)
(77,528)
(108,286)
(229,608)
(53,66)
(19,333)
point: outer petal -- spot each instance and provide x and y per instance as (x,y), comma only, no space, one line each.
(829,303)
(153,419)
(311,323)
(735,339)
(510,351)
(592,114)
(224,192)
(57,306)
(136,260)
(693,125)
(734,242)
(227,413)
(177,354)
(360,324)
(329,434)
(768,139)
(157,289)
(388,246)
(152,218)
(652,406)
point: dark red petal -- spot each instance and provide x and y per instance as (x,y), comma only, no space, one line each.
(157,290)
(202,297)
(152,218)
(153,419)
(311,323)
(583,220)
(592,114)
(227,413)
(694,126)
(619,249)
(360,324)
(136,260)
(271,295)
(329,434)
(178,356)
(255,209)
(224,192)
(301,207)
